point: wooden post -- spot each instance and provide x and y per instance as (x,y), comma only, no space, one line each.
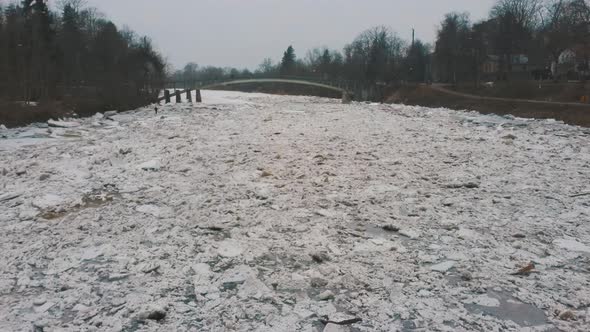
(198,98)
(178,99)
(189,95)
(346,97)
(167,96)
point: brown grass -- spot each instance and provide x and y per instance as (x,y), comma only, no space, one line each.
(14,114)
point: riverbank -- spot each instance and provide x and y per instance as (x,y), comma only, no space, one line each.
(431,96)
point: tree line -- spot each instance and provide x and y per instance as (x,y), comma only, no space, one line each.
(521,39)
(74,52)
(377,54)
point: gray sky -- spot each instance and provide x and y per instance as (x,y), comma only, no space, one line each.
(241,33)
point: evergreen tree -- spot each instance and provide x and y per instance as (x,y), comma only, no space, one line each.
(71,46)
(77,54)
(416,62)
(288,62)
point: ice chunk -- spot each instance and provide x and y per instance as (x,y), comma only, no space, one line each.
(443,267)
(254,288)
(48,202)
(152,165)
(229,248)
(486,301)
(156,211)
(572,245)
(63,124)
(412,234)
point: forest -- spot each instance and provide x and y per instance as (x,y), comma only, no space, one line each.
(73,57)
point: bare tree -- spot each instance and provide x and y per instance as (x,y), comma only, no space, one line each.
(526,13)
(267,66)
(451,46)
(375,55)
(77,5)
(565,26)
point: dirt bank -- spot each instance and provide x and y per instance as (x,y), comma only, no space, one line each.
(424,95)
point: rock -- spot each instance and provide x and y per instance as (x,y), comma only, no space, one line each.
(3,127)
(109,114)
(152,165)
(510,137)
(154,312)
(44,177)
(443,267)
(327,295)
(229,248)
(21,171)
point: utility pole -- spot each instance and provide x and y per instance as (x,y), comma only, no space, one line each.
(413,36)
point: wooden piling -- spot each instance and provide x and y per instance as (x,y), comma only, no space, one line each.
(178,98)
(167,96)
(198,98)
(189,96)
(346,97)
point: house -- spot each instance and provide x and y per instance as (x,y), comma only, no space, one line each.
(497,67)
(573,63)
(491,65)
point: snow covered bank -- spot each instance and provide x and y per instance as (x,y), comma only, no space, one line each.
(269,213)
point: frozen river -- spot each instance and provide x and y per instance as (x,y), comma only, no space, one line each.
(253,212)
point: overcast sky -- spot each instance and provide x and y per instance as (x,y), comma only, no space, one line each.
(241,33)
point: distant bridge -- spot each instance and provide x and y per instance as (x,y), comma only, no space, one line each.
(346,88)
